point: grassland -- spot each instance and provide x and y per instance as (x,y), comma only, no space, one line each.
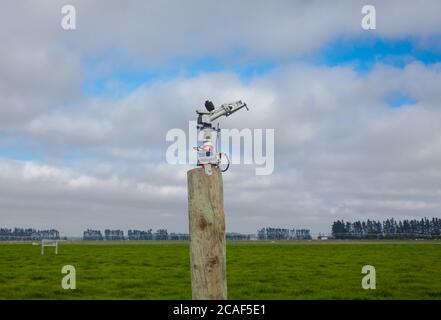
(257,270)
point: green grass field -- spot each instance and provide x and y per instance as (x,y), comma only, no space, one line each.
(256,270)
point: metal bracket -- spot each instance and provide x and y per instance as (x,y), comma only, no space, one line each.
(208,170)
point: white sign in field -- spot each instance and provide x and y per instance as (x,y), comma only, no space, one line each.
(49,243)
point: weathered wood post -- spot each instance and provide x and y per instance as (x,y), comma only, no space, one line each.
(207,235)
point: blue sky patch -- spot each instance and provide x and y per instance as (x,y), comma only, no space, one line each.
(123,81)
(398,100)
(18,148)
(363,53)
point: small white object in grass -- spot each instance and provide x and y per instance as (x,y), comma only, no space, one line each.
(49,243)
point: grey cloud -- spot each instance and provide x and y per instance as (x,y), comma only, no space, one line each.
(148,33)
(34,81)
(341,151)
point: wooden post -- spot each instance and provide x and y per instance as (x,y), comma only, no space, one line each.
(207,235)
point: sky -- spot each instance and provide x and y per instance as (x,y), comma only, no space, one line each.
(84,113)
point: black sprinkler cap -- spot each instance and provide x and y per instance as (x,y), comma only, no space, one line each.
(209,105)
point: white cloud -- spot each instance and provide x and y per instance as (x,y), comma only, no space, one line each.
(337,143)
(341,151)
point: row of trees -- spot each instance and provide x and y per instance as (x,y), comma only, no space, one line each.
(238,236)
(113,234)
(19,234)
(388,229)
(283,234)
(161,234)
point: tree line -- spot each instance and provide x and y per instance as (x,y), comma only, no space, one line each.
(283,234)
(388,229)
(160,234)
(18,234)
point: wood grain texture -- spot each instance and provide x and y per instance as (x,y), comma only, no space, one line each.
(207,235)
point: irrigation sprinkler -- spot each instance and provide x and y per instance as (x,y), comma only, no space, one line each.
(206,209)
(207,155)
